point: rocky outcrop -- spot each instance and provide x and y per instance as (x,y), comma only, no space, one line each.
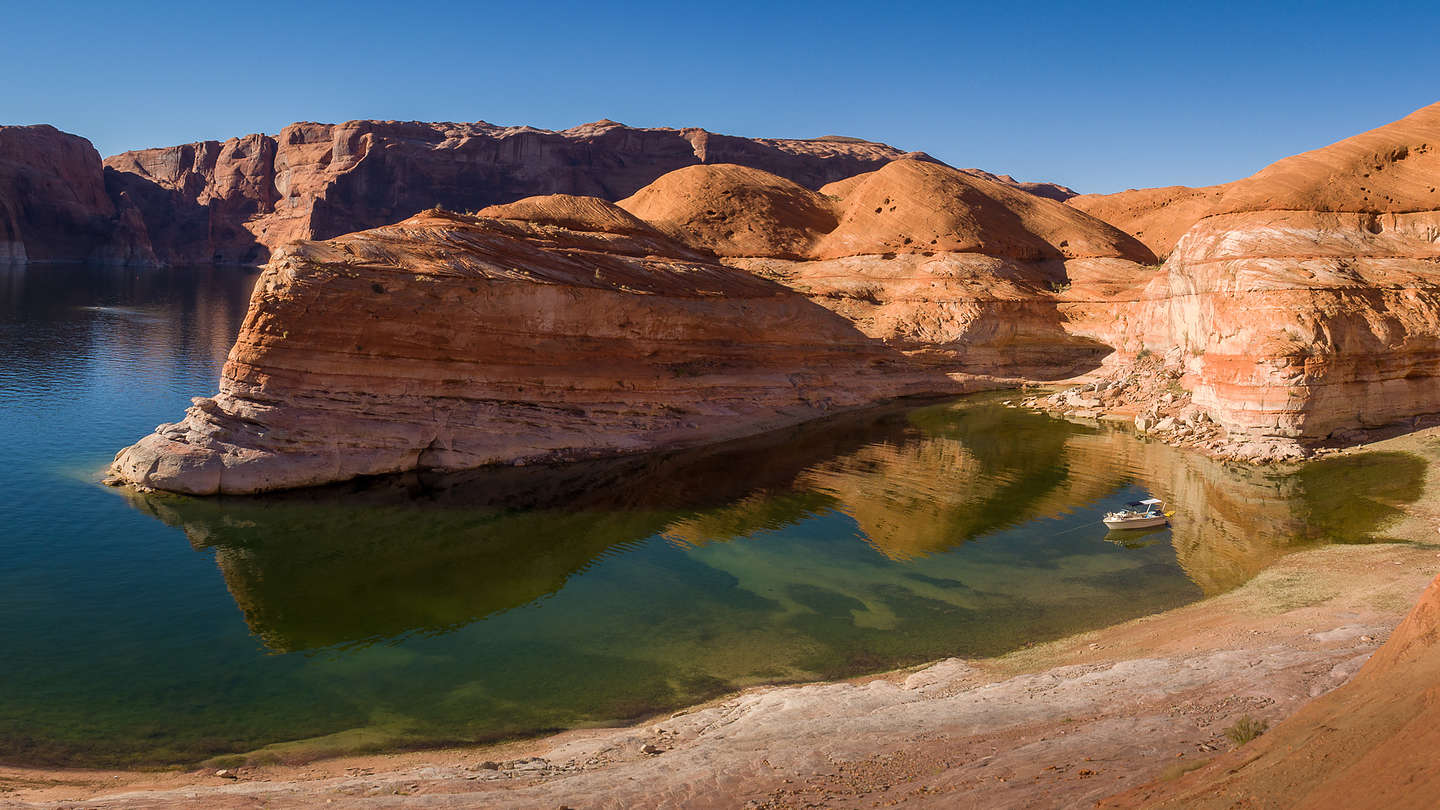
(565,327)
(1050,191)
(1303,299)
(1368,744)
(53,202)
(1156,216)
(234,202)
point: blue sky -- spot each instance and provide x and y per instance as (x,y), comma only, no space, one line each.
(1100,97)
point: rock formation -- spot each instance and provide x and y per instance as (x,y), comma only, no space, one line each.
(720,300)
(53,202)
(1156,216)
(566,327)
(1367,744)
(1302,301)
(233,202)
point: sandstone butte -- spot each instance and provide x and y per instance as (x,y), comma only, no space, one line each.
(567,327)
(722,300)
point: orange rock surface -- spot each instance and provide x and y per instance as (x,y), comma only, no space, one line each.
(1305,297)
(234,202)
(1156,216)
(1368,744)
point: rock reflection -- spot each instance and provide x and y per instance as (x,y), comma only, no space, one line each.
(383,558)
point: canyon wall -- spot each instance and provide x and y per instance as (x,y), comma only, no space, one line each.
(234,202)
(53,202)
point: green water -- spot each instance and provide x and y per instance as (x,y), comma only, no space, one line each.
(155,629)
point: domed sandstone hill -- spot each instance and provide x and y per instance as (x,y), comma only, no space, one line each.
(735,211)
(567,211)
(917,206)
(1394,169)
(1157,217)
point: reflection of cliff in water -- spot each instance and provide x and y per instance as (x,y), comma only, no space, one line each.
(1232,520)
(381,557)
(975,469)
(385,557)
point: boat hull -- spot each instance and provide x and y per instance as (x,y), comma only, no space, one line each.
(1136,523)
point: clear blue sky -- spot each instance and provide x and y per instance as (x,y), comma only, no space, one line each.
(1100,97)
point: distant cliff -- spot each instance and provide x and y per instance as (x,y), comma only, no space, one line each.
(54,205)
(234,202)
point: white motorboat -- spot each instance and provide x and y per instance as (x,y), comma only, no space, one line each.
(1139,515)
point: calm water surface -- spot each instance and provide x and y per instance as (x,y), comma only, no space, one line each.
(159,629)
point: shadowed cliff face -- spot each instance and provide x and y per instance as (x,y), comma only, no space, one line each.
(53,202)
(423,553)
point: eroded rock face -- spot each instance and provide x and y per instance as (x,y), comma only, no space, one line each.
(234,202)
(1305,297)
(565,327)
(53,202)
(720,301)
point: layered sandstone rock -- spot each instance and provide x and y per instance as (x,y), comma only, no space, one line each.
(1305,297)
(449,343)
(768,303)
(53,203)
(565,327)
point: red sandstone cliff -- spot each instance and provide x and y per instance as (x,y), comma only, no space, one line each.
(53,202)
(1304,298)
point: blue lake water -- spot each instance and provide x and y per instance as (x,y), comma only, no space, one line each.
(155,629)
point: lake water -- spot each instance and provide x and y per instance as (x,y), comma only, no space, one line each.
(155,629)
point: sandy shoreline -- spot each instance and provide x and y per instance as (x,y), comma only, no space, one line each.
(1059,724)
